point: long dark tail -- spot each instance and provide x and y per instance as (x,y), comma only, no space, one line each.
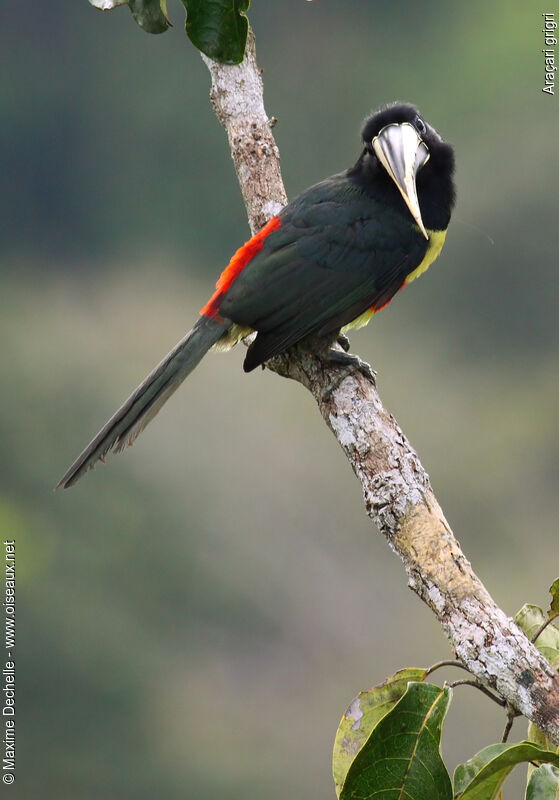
(143,404)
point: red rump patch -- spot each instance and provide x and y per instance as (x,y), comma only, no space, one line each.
(242,257)
(385,299)
(382,302)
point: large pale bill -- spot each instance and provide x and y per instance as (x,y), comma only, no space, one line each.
(402,153)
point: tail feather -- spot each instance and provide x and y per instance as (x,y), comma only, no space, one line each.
(143,404)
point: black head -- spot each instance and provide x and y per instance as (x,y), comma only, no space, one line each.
(410,162)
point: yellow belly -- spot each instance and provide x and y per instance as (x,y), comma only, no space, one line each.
(436,241)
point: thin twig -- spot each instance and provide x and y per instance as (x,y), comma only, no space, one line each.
(542,628)
(512,713)
(448,663)
(477,685)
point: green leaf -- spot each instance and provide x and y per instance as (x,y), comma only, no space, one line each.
(363,713)
(530,619)
(151,15)
(543,784)
(401,758)
(538,737)
(482,777)
(218,28)
(554,592)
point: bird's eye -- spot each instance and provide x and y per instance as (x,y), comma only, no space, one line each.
(420,125)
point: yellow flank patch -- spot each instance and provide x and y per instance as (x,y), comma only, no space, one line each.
(231,337)
(434,247)
(360,321)
(436,241)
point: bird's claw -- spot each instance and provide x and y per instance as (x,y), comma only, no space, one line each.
(343,341)
(350,364)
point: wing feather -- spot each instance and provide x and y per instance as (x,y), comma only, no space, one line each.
(336,254)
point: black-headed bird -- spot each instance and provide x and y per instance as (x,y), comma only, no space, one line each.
(330,260)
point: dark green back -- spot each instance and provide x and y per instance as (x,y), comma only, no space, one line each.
(338,252)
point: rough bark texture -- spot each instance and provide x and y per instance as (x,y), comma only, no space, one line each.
(396,489)
(237,98)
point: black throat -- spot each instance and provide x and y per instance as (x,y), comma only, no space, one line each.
(435,186)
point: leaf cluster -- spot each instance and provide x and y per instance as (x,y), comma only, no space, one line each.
(388,744)
(218,28)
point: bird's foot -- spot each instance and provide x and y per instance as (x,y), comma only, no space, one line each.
(343,341)
(350,364)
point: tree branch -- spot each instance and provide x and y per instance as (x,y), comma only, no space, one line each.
(396,489)
(237,98)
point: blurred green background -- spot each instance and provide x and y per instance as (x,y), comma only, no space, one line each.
(194,617)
